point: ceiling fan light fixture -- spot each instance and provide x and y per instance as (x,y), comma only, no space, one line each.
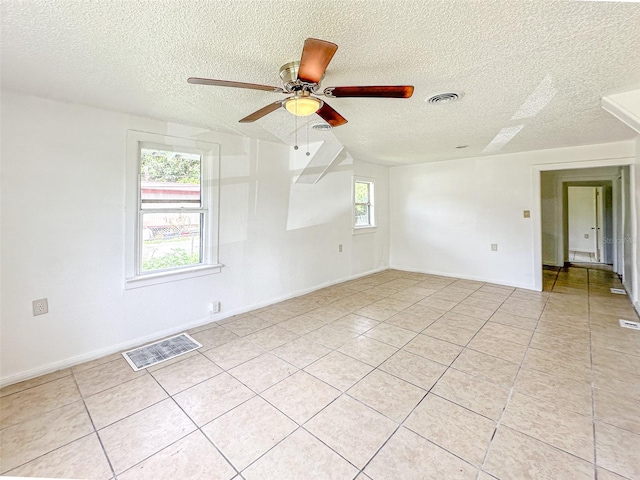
(303,106)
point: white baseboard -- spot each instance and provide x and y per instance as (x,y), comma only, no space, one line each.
(120,347)
(468,277)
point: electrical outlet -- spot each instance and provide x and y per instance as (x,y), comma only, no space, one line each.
(494,247)
(586,235)
(214,307)
(40,307)
(527,214)
(340,248)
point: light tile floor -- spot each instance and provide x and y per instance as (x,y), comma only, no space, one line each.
(393,376)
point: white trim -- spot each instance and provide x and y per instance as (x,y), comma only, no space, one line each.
(622,113)
(465,277)
(95,354)
(363,230)
(171,276)
(635,261)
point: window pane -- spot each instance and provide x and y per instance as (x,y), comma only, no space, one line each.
(362,215)
(169,179)
(170,240)
(362,192)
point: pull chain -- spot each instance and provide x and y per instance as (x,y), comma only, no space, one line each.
(308,138)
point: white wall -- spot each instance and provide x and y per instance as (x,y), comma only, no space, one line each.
(582,217)
(63,197)
(445,215)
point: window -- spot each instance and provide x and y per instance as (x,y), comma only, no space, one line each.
(172,215)
(363,204)
(171,209)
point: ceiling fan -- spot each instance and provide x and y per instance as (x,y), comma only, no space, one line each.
(302,79)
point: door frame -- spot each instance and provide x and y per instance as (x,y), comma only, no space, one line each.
(536,212)
(607,182)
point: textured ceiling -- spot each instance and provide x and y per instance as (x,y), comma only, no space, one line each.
(135,57)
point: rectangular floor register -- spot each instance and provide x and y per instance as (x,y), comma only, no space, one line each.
(161,351)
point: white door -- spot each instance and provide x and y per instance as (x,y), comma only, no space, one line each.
(583,224)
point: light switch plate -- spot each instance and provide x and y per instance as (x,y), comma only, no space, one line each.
(527,214)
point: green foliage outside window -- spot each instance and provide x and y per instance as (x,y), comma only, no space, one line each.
(163,166)
(362,192)
(177,258)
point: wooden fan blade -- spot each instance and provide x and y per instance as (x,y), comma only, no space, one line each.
(330,116)
(316,55)
(225,83)
(272,107)
(390,91)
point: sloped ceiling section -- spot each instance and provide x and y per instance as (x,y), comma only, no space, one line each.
(625,107)
(135,57)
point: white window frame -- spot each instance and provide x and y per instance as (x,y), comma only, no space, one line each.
(210,207)
(372,210)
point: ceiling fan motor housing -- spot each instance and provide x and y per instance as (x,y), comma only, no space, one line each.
(289,76)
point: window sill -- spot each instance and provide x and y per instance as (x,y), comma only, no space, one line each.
(363,230)
(172,276)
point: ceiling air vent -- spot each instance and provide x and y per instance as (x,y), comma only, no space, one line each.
(321,126)
(442,98)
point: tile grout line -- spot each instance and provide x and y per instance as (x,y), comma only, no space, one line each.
(512,389)
(159,369)
(301,426)
(401,424)
(342,393)
(561,449)
(593,393)
(256,394)
(198,428)
(339,396)
(33,386)
(95,430)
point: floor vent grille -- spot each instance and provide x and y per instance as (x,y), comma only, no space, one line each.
(619,291)
(161,351)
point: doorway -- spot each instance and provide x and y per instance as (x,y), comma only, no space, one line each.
(617,219)
(588,222)
(585,219)
(581,217)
